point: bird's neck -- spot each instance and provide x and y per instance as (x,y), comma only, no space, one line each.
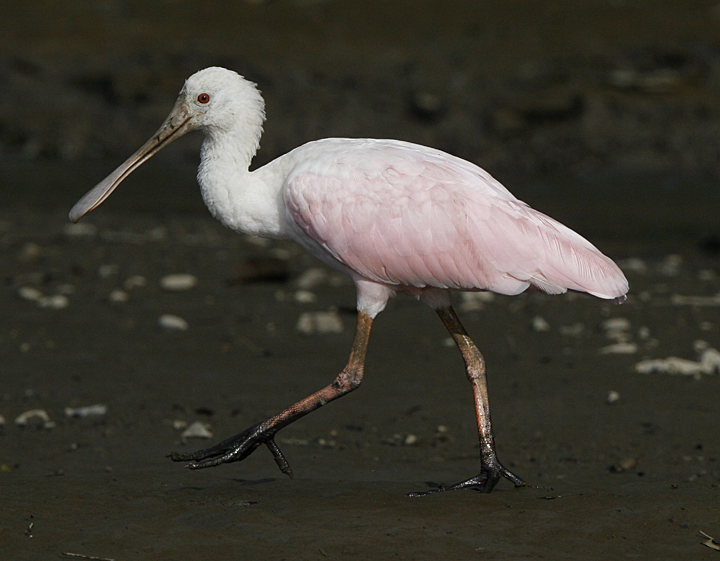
(242,200)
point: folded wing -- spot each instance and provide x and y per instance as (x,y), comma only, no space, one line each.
(402,214)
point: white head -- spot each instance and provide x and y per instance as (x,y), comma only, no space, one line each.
(217,101)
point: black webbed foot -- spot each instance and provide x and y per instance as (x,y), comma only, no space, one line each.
(235,449)
(484,481)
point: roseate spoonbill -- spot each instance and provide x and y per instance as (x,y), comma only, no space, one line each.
(396,217)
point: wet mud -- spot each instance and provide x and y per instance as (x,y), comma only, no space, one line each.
(604,117)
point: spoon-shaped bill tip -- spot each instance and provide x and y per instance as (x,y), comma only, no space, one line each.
(94,197)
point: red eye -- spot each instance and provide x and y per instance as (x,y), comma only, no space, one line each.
(203,98)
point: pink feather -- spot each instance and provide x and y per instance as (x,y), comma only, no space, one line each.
(406,215)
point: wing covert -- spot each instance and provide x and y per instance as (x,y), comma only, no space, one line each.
(406,217)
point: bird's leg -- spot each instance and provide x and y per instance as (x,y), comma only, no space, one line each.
(243,444)
(491,470)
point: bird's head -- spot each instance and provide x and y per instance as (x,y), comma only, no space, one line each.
(215,100)
(219,99)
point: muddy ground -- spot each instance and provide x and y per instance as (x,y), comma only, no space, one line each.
(602,114)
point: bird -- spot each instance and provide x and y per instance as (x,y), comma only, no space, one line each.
(396,217)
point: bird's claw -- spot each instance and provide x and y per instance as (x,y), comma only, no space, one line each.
(235,449)
(279,457)
(484,481)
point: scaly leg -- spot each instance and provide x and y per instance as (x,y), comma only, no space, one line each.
(243,444)
(491,470)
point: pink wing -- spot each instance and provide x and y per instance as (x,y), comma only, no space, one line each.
(403,214)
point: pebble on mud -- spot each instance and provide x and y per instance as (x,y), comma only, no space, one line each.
(410,439)
(680,300)
(475,301)
(311,323)
(54,302)
(197,430)
(539,324)
(620,349)
(97,410)
(173,323)
(118,297)
(311,278)
(618,329)
(29,293)
(613,396)
(34,416)
(709,363)
(633,265)
(305,297)
(79,230)
(178,282)
(614,325)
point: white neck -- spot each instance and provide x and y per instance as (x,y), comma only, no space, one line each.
(235,196)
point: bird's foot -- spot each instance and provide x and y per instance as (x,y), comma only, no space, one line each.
(484,481)
(235,449)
